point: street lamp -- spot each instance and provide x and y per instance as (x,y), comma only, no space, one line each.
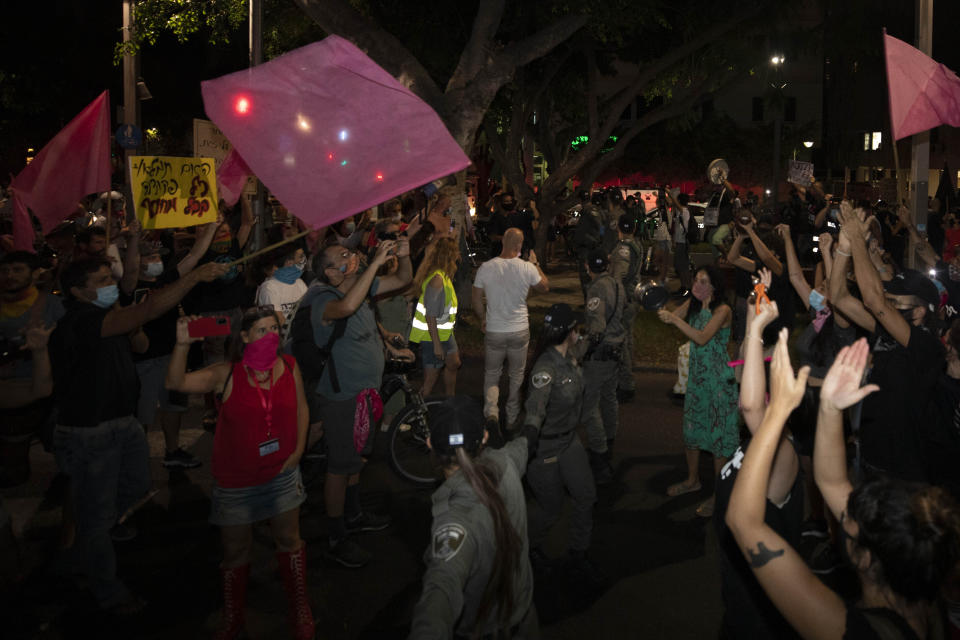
(808,144)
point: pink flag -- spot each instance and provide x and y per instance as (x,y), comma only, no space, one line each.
(923,93)
(231,177)
(75,163)
(329,132)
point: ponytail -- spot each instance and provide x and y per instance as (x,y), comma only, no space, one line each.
(499,591)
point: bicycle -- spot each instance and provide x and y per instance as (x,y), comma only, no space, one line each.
(406,434)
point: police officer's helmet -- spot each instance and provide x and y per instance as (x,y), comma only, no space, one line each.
(598,198)
(627,223)
(561,318)
(456,422)
(597,261)
(615,195)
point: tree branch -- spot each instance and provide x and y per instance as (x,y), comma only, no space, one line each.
(338,17)
(476,54)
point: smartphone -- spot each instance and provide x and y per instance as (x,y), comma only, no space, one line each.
(209,327)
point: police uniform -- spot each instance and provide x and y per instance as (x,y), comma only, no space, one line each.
(560,464)
(587,237)
(625,262)
(604,318)
(462,550)
(610,217)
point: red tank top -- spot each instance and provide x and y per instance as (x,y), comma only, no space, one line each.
(242,429)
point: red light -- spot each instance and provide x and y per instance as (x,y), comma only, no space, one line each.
(379,177)
(242,105)
(329,156)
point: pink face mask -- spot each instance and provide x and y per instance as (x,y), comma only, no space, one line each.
(260,354)
(702,290)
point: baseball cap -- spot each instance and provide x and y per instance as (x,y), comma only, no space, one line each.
(562,317)
(456,422)
(627,223)
(911,282)
(597,261)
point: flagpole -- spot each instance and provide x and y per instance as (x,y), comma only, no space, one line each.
(270,248)
(109,210)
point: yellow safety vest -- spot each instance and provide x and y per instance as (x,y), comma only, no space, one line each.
(419,332)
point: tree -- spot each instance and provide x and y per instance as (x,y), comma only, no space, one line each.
(679,62)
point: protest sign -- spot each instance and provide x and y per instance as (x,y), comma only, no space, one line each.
(800,173)
(173,192)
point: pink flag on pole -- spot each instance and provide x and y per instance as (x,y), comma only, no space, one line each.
(329,132)
(232,177)
(923,93)
(75,163)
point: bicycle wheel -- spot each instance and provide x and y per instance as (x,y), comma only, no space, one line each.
(409,455)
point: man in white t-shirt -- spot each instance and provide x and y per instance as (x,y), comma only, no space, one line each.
(505,282)
(284,288)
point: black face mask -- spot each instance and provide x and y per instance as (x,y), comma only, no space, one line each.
(509,206)
(907,314)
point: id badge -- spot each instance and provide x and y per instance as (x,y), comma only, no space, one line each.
(269,446)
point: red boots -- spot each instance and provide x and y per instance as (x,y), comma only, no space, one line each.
(293,570)
(234,599)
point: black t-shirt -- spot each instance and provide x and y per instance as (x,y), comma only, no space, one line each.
(866,624)
(95,379)
(782,292)
(890,427)
(523,220)
(749,612)
(224,293)
(162,332)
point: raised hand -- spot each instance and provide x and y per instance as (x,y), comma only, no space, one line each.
(767,312)
(183,330)
(666,317)
(841,387)
(37,337)
(766,277)
(786,391)
(826,241)
(384,250)
(784,231)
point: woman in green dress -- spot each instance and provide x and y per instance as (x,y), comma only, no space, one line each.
(710,414)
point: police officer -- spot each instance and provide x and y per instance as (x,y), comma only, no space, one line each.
(605,333)
(479,524)
(559,464)
(612,210)
(625,262)
(589,233)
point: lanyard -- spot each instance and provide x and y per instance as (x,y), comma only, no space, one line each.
(266,403)
(761,292)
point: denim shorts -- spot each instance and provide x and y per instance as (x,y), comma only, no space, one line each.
(429,359)
(246,505)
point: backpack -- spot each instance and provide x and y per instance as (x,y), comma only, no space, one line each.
(311,358)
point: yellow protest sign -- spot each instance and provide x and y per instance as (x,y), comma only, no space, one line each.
(171,192)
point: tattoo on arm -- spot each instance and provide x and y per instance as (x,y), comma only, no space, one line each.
(762,556)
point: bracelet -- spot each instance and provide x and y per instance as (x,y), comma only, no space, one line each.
(843,253)
(759,338)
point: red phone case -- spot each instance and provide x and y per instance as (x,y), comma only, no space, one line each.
(209,327)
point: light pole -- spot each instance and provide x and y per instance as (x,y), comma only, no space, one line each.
(778,86)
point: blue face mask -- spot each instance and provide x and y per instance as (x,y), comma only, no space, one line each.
(288,275)
(816,300)
(107,296)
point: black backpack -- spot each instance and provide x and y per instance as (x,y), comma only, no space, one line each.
(311,358)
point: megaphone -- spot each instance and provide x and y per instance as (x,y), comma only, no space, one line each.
(718,171)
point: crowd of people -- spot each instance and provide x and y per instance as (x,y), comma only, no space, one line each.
(109,330)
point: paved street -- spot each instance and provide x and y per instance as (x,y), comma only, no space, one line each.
(659,557)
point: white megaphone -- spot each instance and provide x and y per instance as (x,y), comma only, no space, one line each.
(718,171)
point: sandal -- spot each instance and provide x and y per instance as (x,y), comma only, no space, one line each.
(681,488)
(705,510)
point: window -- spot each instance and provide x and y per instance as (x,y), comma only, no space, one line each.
(758,109)
(871,141)
(790,109)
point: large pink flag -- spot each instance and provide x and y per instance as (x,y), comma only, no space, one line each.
(75,163)
(329,132)
(923,93)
